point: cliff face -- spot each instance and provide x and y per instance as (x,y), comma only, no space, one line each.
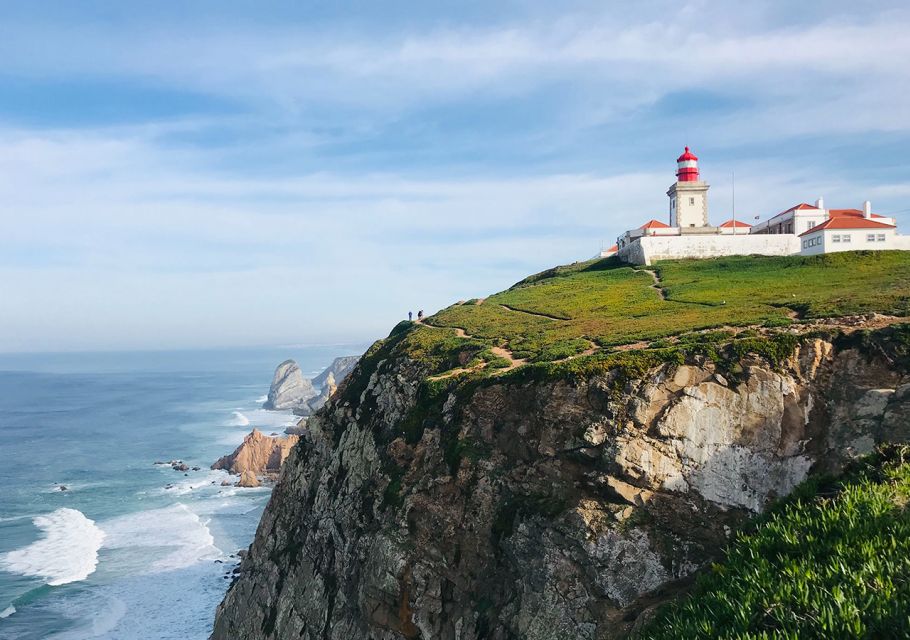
(542,507)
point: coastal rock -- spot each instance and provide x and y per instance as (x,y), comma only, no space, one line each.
(541,507)
(328,389)
(248,479)
(259,454)
(289,389)
(297,429)
(338,370)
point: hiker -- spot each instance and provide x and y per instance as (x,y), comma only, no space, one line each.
(410,316)
(420,316)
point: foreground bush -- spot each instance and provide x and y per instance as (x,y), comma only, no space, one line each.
(832,561)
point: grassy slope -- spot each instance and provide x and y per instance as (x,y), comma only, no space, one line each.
(603,303)
(831,561)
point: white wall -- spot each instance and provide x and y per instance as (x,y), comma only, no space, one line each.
(648,249)
(858,240)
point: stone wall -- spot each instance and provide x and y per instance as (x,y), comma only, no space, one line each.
(651,248)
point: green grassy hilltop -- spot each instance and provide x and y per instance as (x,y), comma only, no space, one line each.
(598,306)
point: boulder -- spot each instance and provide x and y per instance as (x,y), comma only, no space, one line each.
(259,454)
(289,388)
(248,479)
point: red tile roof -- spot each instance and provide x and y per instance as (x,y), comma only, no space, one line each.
(735,223)
(613,249)
(836,213)
(802,206)
(848,222)
(799,207)
(654,224)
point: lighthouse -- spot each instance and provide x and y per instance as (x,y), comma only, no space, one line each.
(689,195)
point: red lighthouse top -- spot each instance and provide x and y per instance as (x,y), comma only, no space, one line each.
(687,167)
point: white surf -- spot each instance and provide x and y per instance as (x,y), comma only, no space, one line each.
(67,552)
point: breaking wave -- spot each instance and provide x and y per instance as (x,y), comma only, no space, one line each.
(68,552)
(238,420)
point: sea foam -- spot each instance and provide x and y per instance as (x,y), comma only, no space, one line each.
(6,613)
(238,420)
(174,537)
(68,552)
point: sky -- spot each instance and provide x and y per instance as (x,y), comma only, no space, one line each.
(208,174)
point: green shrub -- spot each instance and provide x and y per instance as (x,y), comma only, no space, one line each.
(831,561)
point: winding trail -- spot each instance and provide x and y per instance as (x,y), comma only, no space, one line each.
(534,313)
(662,291)
(658,285)
(499,352)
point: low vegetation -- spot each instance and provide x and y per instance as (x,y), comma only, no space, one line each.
(830,561)
(603,304)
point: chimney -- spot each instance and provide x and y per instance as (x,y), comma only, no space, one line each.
(867,209)
(820,203)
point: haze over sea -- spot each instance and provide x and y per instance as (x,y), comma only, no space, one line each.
(131,549)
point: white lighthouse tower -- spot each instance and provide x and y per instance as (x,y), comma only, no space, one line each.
(689,196)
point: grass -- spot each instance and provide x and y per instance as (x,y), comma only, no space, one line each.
(563,311)
(830,561)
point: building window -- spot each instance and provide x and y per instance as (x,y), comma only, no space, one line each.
(870,237)
(805,244)
(845,237)
(692,201)
(881,237)
(835,238)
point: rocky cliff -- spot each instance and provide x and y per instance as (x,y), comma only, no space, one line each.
(554,501)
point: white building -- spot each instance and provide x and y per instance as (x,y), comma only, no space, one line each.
(850,230)
(803,229)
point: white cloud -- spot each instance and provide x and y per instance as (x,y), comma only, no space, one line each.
(137,236)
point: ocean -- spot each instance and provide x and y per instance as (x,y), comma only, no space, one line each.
(131,548)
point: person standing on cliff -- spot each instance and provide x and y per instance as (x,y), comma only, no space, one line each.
(410,316)
(420,316)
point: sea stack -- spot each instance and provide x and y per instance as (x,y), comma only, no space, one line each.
(259,454)
(289,388)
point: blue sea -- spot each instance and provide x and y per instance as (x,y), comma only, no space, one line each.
(131,549)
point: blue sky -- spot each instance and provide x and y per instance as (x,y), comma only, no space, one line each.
(241,173)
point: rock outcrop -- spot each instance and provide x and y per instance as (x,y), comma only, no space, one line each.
(328,389)
(338,370)
(289,389)
(259,454)
(541,507)
(249,480)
